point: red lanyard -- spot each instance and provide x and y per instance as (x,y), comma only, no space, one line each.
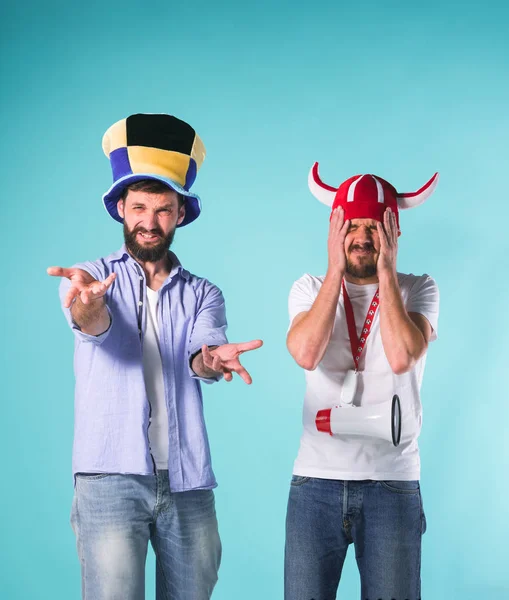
(357,344)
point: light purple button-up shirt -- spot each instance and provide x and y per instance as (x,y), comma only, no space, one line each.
(112,410)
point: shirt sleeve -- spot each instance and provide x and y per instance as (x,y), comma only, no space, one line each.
(301,298)
(209,326)
(65,284)
(424,299)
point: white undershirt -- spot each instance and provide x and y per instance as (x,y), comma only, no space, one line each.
(154,384)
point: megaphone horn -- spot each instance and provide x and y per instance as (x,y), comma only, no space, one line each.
(376,420)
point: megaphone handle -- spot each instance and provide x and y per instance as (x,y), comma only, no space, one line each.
(396,420)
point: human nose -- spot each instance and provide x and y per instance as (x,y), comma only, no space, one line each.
(365,234)
(151,220)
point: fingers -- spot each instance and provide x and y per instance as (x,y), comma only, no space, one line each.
(344,230)
(387,222)
(242,372)
(338,226)
(70,296)
(81,275)
(87,290)
(388,234)
(59,271)
(109,280)
(338,230)
(394,226)
(214,361)
(246,346)
(93,292)
(336,220)
(211,361)
(382,235)
(85,296)
(390,226)
(207,356)
(216,364)
(97,289)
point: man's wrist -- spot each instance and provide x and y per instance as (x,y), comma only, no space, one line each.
(335,273)
(86,316)
(387,275)
(92,304)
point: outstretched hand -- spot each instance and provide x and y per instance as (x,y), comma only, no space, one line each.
(83,284)
(225,359)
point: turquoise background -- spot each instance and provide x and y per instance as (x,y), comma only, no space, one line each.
(400,89)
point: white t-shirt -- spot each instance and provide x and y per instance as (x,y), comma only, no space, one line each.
(362,457)
(154,384)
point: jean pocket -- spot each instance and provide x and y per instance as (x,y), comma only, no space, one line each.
(299,480)
(424,524)
(401,487)
(92,476)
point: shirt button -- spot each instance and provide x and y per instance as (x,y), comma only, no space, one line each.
(140,303)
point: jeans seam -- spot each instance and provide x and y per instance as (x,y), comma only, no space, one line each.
(419,553)
(92,476)
(157,504)
(418,568)
(423,516)
(79,542)
(156,552)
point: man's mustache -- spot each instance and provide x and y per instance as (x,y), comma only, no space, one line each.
(367,246)
(155,231)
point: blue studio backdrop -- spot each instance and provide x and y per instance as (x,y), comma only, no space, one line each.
(400,89)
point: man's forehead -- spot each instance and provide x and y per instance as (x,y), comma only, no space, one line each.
(367,222)
(151,198)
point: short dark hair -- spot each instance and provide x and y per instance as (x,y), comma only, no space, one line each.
(151,186)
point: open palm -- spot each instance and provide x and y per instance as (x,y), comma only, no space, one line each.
(83,284)
(225,359)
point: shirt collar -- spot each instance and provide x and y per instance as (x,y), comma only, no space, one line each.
(176,268)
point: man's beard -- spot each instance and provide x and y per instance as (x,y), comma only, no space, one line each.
(151,253)
(365,268)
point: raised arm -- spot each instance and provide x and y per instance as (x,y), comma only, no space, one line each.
(311,330)
(405,336)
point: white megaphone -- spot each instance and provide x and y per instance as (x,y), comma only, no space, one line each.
(376,420)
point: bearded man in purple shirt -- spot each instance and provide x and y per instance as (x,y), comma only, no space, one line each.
(147,332)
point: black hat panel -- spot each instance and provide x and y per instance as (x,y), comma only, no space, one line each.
(160,131)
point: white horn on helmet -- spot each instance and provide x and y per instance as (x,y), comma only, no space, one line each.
(412,199)
(320,190)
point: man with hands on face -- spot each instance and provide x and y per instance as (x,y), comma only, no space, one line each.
(361,332)
(147,332)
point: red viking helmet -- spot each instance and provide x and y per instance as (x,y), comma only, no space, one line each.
(367,196)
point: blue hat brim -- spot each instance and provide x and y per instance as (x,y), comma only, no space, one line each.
(112,196)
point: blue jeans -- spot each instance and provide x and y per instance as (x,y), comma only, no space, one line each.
(383,519)
(114,517)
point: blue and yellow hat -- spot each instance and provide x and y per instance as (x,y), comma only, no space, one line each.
(160,147)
